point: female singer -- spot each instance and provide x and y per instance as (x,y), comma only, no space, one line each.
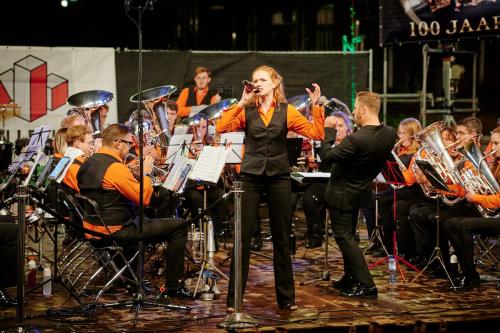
(266,117)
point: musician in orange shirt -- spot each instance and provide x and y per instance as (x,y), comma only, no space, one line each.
(461,230)
(200,95)
(110,183)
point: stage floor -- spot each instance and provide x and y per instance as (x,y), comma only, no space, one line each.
(427,305)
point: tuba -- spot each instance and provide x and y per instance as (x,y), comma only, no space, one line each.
(153,102)
(479,180)
(92,106)
(437,154)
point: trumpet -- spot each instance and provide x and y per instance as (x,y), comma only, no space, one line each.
(157,174)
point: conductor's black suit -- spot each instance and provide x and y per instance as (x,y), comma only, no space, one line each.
(356,161)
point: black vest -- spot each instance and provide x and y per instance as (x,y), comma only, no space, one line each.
(265,147)
(191,100)
(115,208)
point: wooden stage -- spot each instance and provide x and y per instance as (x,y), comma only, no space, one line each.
(424,306)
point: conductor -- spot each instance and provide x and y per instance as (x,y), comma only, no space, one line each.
(355,163)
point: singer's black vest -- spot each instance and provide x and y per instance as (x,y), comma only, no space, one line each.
(191,100)
(115,208)
(265,147)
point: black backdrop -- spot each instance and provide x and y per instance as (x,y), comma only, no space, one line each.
(338,74)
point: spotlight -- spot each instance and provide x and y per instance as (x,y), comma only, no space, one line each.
(64,3)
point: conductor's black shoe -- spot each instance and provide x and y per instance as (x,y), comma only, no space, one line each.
(288,306)
(314,242)
(182,293)
(359,290)
(345,282)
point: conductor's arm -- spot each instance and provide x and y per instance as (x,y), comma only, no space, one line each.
(343,151)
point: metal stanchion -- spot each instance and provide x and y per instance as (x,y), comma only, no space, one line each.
(22,194)
(238,319)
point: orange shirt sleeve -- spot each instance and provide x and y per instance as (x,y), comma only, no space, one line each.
(181,103)
(70,177)
(487,201)
(119,177)
(232,120)
(299,124)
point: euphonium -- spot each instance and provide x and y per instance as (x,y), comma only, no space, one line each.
(437,154)
(160,124)
(479,180)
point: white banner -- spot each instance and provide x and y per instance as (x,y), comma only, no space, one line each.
(40,79)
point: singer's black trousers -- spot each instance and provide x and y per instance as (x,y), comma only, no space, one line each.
(278,191)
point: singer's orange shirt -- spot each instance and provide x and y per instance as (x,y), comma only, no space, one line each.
(233,120)
(183,97)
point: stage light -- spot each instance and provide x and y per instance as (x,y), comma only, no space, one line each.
(64,3)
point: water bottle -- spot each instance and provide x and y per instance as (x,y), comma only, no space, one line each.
(31,272)
(47,284)
(453,265)
(393,273)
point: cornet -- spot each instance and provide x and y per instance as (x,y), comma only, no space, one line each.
(157,174)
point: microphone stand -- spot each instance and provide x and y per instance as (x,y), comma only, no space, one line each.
(139,299)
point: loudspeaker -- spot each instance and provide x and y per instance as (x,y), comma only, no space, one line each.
(5,155)
(8,251)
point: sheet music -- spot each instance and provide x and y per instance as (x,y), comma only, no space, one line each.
(234,141)
(180,130)
(209,165)
(380,178)
(310,177)
(71,153)
(175,144)
(176,170)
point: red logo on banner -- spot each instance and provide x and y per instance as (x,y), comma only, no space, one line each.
(29,85)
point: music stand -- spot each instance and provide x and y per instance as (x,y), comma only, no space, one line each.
(309,178)
(394,176)
(376,230)
(178,143)
(207,169)
(439,184)
(234,141)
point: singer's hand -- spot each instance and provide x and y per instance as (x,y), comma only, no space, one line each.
(315,94)
(246,98)
(148,164)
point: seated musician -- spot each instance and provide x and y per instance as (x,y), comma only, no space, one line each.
(194,191)
(105,179)
(422,219)
(80,142)
(314,195)
(199,95)
(460,230)
(405,196)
